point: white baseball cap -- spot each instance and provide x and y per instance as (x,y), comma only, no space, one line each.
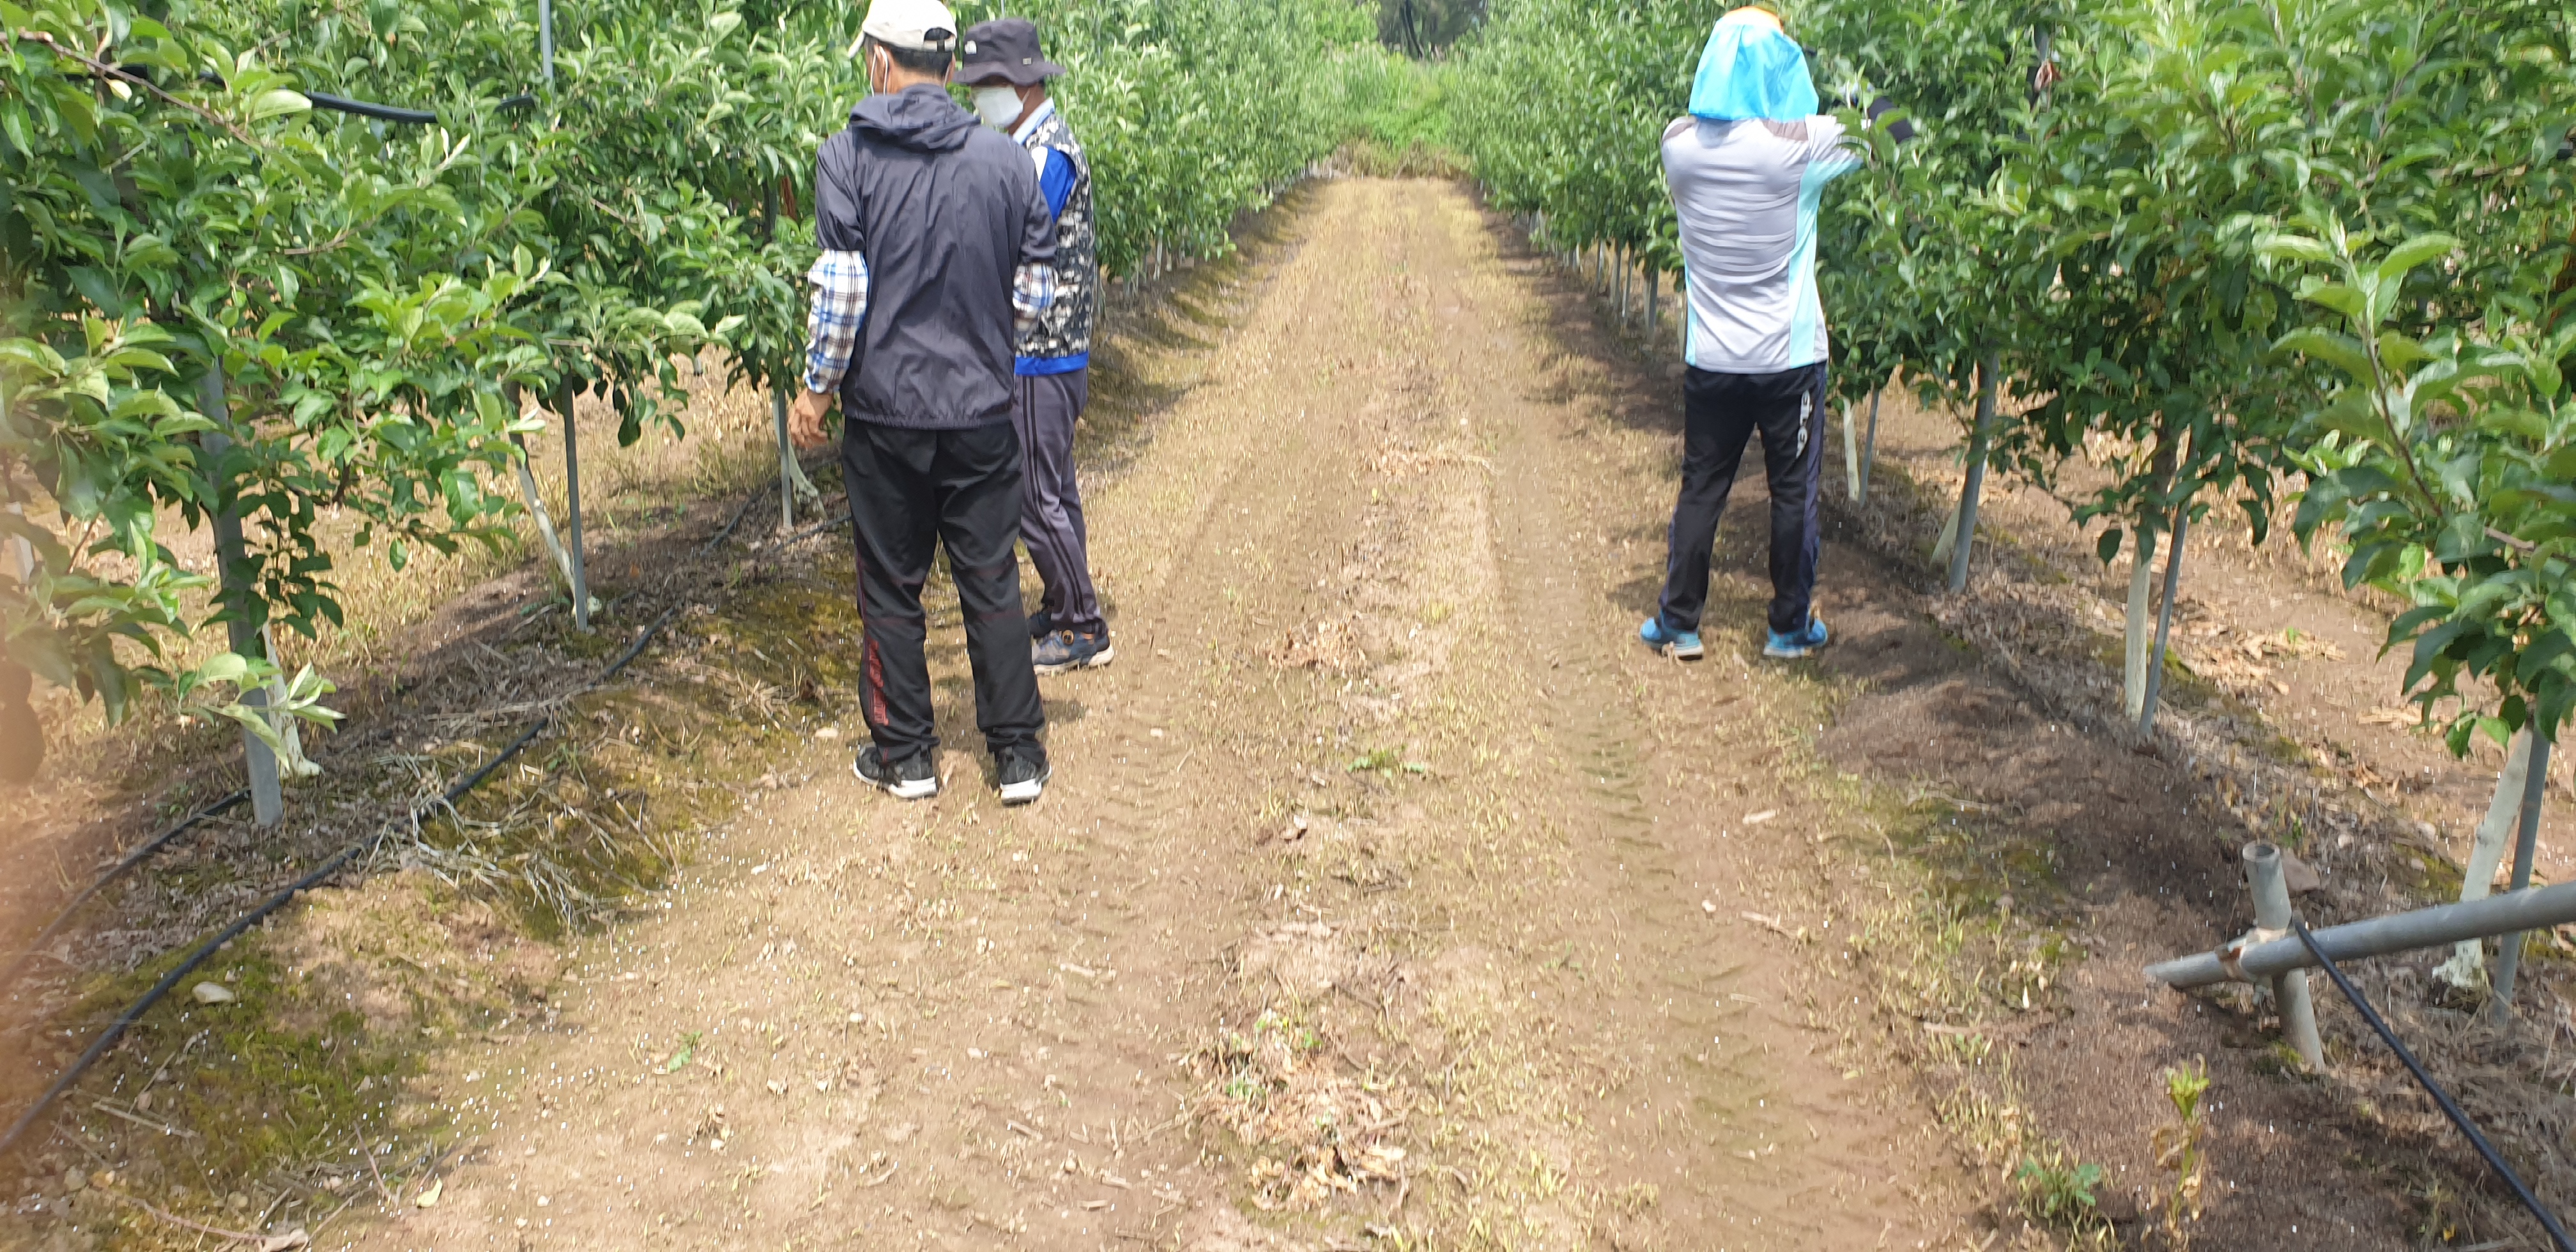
(919,25)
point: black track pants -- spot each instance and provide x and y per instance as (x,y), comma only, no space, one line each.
(1044,408)
(1720,412)
(911,491)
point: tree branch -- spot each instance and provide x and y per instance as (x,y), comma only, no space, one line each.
(105,70)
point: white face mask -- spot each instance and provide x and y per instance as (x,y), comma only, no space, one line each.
(998,106)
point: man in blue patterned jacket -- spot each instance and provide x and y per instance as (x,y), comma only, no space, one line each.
(1002,62)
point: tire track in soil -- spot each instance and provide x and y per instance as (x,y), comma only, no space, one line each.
(1368,900)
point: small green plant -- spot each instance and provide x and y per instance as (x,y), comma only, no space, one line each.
(688,1052)
(2178,1147)
(2057,1190)
(1381,759)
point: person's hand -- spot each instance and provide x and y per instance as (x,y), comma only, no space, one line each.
(805,418)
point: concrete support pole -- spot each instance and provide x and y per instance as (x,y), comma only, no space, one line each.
(2289,989)
(268,801)
(2535,792)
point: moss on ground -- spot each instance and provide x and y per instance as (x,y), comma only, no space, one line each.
(291,1099)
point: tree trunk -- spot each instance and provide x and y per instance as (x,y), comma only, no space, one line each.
(1964,535)
(2142,582)
(2164,618)
(2141,579)
(2467,968)
(1851,452)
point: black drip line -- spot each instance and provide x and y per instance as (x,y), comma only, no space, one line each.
(320,874)
(2450,1107)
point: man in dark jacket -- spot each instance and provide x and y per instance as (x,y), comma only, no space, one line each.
(1001,60)
(936,255)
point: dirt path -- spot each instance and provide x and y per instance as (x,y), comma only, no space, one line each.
(1386,891)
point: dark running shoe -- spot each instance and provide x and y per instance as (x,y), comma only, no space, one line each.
(1067,650)
(1041,625)
(1024,777)
(911,778)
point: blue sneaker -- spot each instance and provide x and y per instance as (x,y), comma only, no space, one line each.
(1679,645)
(1796,647)
(1068,650)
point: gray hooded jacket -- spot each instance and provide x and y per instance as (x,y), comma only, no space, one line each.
(944,210)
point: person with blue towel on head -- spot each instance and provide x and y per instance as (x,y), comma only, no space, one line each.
(1747,168)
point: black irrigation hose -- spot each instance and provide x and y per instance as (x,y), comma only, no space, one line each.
(2450,1107)
(122,867)
(364,108)
(153,847)
(321,873)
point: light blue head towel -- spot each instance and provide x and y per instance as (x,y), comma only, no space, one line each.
(1752,70)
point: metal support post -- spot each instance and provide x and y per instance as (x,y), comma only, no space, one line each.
(786,459)
(267,800)
(2535,792)
(787,473)
(572,511)
(546,38)
(2289,988)
(1988,384)
(1869,445)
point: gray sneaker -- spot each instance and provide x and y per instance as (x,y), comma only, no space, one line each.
(1024,777)
(911,778)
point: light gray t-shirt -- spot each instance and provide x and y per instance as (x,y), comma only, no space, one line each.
(1747,194)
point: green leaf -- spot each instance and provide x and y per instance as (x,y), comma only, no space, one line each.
(279,103)
(2337,296)
(2341,351)
(2414,252)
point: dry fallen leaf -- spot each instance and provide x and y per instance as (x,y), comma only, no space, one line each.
(428,1197)
(1756,819)
(2391,717)
(212,993)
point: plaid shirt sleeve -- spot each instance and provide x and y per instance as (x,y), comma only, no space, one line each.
(840,306)
(1032,291)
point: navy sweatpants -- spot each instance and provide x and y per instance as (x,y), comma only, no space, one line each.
(1720,413)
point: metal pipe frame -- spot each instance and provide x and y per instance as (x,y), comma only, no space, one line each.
(2540,908)
(2264,871)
